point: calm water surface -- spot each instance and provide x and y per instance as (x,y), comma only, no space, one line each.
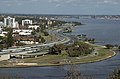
(107,31)
(102,30)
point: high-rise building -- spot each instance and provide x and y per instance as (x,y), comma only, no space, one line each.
(26,22)
(9,22)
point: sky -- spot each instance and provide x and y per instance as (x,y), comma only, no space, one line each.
(72,7)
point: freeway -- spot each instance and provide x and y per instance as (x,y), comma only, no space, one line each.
(34,49)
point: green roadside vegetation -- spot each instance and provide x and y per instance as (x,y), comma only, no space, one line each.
(62,54)
(79,52)
(102,55)
(47,37)
(64,58)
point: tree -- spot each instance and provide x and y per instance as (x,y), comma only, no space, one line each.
(38,29)
(115,75)
(79,49)
(74,50)
(118,47)
(55,50)
(42,40)
(46,33)
(109,46)
(20,44)
(33,32)
(9,39)
(1,47)
(73,73)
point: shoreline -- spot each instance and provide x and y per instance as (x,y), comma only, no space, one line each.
(53,65)
(98,60)
(24,65)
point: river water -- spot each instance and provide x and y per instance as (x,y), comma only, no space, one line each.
(102,30)
(107,31)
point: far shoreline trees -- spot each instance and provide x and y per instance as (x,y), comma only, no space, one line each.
(109,46)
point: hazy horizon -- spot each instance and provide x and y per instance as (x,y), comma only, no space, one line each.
(61,7)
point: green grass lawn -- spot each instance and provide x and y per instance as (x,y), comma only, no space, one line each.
(46,60)
(102,54)
(59,59)
(51,60)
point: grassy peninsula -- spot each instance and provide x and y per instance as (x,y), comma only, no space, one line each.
(99,53)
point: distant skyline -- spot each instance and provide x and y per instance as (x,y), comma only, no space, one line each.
(64,7)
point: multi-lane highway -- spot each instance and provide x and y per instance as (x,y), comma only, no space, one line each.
(36,49)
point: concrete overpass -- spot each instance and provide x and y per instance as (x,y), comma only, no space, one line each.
(32,50)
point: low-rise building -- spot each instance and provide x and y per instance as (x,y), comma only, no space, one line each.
(4,56)
(26,39)
(33,26)
(24,32)
(3,33)
(49,22)
(26,21)
(1,24)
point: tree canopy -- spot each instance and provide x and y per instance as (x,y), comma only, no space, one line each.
(74,50)
(9,39)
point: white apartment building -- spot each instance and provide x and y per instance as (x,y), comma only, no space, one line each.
(26,21)
(9,22)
